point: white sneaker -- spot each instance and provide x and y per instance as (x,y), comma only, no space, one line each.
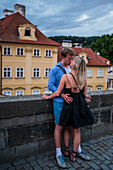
(60,161)
(83,156)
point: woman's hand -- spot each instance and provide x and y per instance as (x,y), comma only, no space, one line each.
(44,96)
(88,98)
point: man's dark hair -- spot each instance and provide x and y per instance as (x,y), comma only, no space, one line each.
(67,50)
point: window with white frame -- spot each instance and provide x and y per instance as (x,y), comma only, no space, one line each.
(46,91)
(47,72)
(6,72)
(36,52)
(19,72)
(7,51)
(35,92)
(36,72)
(7,93)
(19,93)
(89,72)
(99,88)
(88,89)
(48,53)
(100,72)
(20,51)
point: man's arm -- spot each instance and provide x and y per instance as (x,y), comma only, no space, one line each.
(51,81)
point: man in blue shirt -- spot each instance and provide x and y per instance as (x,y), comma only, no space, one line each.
(55,75)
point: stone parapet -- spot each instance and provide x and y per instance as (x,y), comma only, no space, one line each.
(27,124)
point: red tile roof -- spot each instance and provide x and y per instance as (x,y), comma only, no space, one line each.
(9,32)
(96,60)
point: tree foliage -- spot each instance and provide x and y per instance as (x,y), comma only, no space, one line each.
(104,46)
(85,41)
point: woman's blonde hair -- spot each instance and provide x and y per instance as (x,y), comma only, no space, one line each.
(79,66)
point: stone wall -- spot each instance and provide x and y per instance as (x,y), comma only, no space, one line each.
(27,124)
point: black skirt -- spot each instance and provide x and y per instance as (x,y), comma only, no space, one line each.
(77,113)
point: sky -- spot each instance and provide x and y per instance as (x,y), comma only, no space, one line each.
(67,17)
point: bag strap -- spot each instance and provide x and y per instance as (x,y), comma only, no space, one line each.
(64,71)
(75,80)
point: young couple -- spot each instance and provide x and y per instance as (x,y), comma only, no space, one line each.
(65,92)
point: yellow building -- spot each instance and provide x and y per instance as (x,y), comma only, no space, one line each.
(27,56)
(97,68)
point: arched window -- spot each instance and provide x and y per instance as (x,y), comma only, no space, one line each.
(27,31)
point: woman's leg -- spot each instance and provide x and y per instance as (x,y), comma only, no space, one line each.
(66,136)
(65,149)
(72,134)
(76,143)
(76,140)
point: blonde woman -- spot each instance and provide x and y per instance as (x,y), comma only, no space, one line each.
(73,83)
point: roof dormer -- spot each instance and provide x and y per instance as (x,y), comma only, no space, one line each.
(27,32)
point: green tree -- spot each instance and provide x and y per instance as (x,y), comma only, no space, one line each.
(104,46)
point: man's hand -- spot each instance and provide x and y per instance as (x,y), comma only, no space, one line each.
(67,98)
(88,98)
(44,96)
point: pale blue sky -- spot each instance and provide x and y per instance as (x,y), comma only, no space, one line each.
(68,17)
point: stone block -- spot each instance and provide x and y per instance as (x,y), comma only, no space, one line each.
(46,145)
(26,150)
(86,134)
(106,100)
(105,116)
(101,130)
(2,139)
(25,108)
(7,155)
(94,101)
(25,134)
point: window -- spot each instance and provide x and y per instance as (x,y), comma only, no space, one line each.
(19,93)
(89,72)
(20,51)
(88,89)
(48,53)
(27,31)
(36,72)
(46,91)
(19,72)
(36,52)
(7,51)
(99,88)
(7,72)
(47,72)
(35,92)
(7,93)
(100,72)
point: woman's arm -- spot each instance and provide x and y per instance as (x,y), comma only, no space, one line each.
(59,90)
(87,97)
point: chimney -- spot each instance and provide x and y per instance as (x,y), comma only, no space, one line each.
(7,12)
(19,8)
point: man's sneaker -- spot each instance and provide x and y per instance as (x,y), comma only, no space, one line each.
(60,161)
(83,156)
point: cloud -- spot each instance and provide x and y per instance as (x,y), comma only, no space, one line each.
(69,17)
(82,18)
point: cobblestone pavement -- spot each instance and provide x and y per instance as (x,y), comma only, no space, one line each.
(100,151)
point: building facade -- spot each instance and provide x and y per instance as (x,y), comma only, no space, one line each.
(27,56)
